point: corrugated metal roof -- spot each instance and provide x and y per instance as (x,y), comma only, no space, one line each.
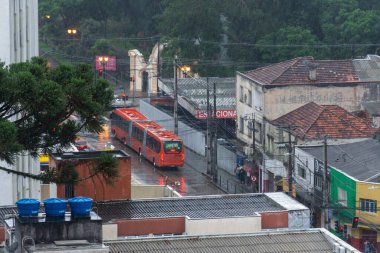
(194,90)
(360,160)
(368,69)
(194,207)
(287,241)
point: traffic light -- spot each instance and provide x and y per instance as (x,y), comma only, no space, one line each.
(337,226)
(355,222)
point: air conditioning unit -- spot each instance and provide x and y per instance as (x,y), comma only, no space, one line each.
(247,150)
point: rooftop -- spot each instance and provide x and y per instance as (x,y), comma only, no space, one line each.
(87,155)
(296,72)
(359,160)
(193,206)
(313,240)
(313,122)
(199,206)
(193,92)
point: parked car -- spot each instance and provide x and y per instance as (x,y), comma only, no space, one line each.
(109,146)
(82,146)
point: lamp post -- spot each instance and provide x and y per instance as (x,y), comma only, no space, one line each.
(72,32)
(103,61)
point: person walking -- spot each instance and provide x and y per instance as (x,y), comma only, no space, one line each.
(242,175)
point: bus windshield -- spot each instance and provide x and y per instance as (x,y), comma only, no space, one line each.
(172,147)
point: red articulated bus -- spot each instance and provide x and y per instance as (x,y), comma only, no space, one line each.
(160,146)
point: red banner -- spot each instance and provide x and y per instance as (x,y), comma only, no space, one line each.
(105,62)
(220,114)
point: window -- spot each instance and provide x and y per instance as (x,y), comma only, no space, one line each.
(250,128)
(270,144)
(250,98)
(241,93)
(258,100)
(342,197)
(368,205)
(241,125)
(258,129)
(153,144)
(318,182)
(301,171)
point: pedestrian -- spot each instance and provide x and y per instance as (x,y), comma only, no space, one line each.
(237,171)
(242,175)
(366,247)
(248,177)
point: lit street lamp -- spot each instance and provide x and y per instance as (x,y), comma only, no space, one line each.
(72,31)
(185,69)
(103,61)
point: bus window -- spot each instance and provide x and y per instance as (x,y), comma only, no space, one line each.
(171,147)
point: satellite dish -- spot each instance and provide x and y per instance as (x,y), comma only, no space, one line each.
(28,244)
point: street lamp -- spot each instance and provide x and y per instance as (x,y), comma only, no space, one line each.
(103,61)
(72,31)
(185,69)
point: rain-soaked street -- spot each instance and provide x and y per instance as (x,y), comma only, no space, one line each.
(186,180)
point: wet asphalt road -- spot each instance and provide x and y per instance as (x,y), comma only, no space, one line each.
(186,180)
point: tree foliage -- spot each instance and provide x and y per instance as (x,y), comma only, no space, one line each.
(36,103)
(201,31)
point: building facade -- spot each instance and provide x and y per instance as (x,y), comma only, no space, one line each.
(269,92)
(18,43)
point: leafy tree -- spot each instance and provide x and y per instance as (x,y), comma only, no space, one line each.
(37,102)
(287,43)
(189,27)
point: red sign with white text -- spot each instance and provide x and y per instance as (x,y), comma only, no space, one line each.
(109,62)
(220,114)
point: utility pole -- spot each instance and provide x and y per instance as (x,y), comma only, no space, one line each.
(215,141)
(208,134)
(290,167)
(253,135)
(175,88)
(326,187)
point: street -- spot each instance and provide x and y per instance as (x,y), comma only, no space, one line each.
(186,180)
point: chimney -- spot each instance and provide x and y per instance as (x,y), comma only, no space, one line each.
(313,74)
(312,67)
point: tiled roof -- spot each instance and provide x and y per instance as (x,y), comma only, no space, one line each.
(194,207)
(286,241)
(296,72)
(359,160)
(313,121)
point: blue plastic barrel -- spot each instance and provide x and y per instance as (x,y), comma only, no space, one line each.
(55,207)
(28,207)
(80,206)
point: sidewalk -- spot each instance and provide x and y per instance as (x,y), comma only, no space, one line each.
(225,180)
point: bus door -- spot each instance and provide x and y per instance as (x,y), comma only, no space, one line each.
(130,133)
(144,142)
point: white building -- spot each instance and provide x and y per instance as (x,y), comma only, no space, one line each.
(18,43)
